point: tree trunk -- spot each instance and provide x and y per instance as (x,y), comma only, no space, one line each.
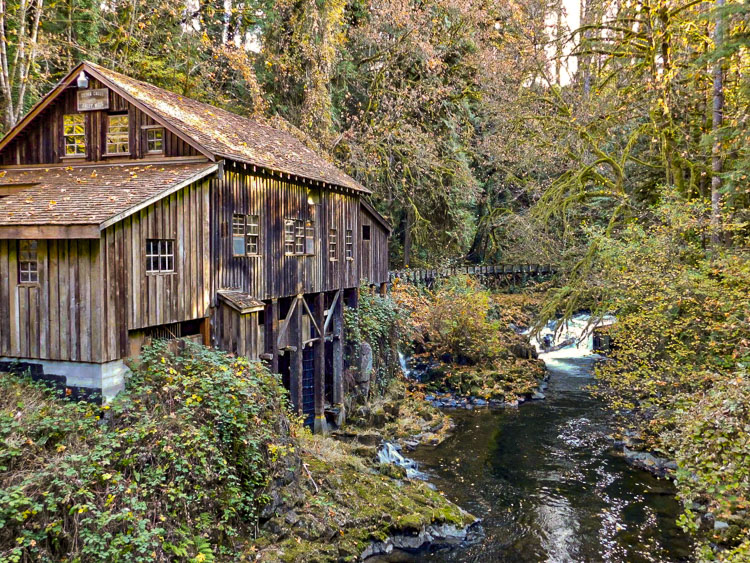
(718,118)
(408,225)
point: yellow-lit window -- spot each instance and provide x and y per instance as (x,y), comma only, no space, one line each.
(118,134)
(74,132)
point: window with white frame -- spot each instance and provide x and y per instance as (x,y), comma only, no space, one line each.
(245,235)
(155,140)
(289,236)
(74,133)
(309,237)
(159,256)
(28,267)
(349,245)
(332,245)
(299,237)
(118,134)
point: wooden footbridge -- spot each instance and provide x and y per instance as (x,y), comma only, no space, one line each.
(504,273)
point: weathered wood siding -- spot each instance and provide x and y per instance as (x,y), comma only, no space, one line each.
(273,273)
(134,299)
(238,334)
(58,318)
(374,252)
(42,141)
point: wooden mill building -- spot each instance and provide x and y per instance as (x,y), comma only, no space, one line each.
(128,212)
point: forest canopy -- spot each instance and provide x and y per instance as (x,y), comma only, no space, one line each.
(481,126)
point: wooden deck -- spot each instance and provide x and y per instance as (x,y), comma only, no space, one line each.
(513,273)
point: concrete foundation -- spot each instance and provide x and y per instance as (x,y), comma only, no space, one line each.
(108,378)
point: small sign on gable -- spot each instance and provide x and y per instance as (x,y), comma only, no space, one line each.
(94,99)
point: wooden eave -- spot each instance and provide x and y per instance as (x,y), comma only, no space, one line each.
(146,202)
(260,169)
(226,296)
(49,232)
(377,216)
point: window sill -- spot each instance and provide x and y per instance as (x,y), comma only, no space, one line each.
(28,284)
(73,157)
(161,273)
(114,154)
(155,153)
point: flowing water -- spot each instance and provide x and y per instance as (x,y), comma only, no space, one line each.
(547,484)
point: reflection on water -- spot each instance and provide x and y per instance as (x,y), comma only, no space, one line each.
(547,485)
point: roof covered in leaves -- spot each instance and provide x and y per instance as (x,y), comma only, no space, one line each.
(226,134)
(88,195)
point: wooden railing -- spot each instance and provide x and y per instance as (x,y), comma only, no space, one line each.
(512,272)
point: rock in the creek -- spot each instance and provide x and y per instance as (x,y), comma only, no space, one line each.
(369,439)
(480,402)
(538,396)
(658,466)
(719,525)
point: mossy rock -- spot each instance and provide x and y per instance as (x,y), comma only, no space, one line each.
(392,470)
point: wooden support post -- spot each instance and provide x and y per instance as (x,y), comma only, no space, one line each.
(206,331)
(294,332)
(272,329)
(338,358)
(384,289)
(320,426)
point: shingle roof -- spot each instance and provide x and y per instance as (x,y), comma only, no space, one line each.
(230,135)
(87,195)
(242,302)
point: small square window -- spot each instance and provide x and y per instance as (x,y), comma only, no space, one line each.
(155,140)
(159,256)
(365,232)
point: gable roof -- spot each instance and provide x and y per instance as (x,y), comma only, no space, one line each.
(213,131)
(90,195)
(376,215)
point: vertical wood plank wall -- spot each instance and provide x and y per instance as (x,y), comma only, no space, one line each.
(134,299)
(42,140)
(273,273)
(59,318)
(374,252)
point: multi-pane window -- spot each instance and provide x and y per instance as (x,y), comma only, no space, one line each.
(118,134)
(252,232)
(289,236)
(155,140)
(159,256)
(349,245)
(245,234)
(309,237)
(74,132)
(28,271)
(299,237)
(332,244)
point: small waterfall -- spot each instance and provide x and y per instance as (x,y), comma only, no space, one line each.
(404,367)
(574,336)
(389,453)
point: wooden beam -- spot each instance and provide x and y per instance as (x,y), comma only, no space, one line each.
(319,425)
(49,232)
(329,318)
(338,354)
(312,317)
(285,322)
(295,364)
(271,328)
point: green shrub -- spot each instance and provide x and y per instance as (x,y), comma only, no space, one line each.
(174,469)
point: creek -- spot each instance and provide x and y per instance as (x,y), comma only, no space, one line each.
(546,482)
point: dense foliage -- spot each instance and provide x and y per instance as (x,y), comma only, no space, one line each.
(473,332)
(376,322)
(175,468)
(678,372)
